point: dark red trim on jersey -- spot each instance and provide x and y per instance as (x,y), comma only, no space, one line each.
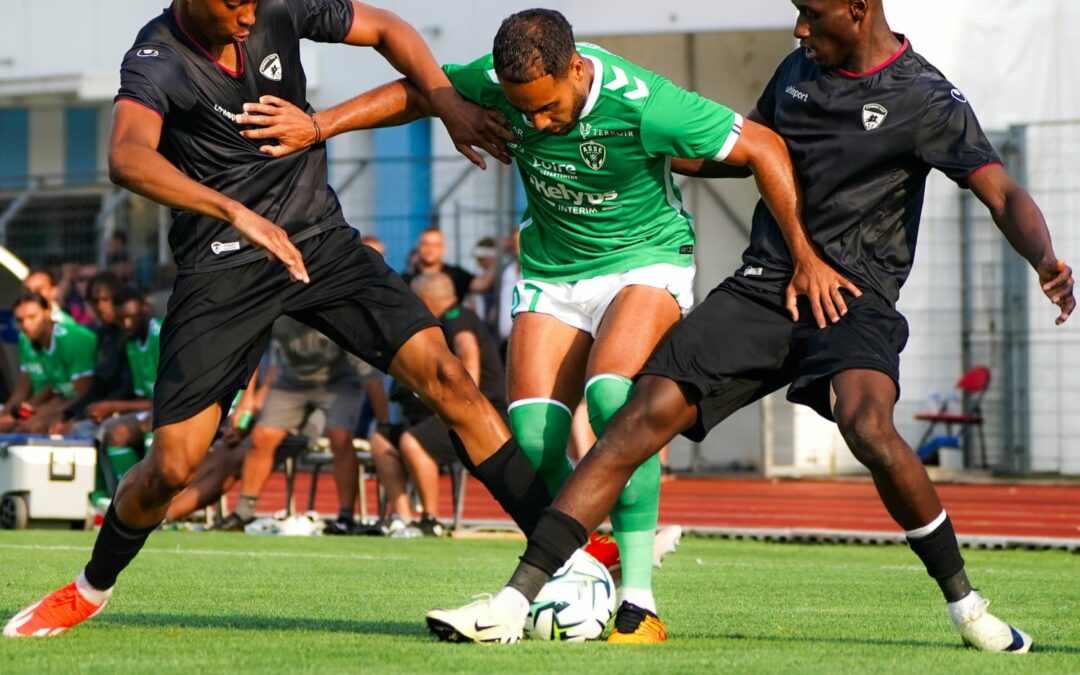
(984,166)
(225,69)
(141,105)
(892,59)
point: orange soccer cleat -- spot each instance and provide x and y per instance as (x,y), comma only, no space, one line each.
(636,626)
(53,614)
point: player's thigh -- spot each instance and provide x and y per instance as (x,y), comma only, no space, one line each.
(546,359)
(356,300)
(634,324)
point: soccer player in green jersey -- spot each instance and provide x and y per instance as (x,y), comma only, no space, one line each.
(55,360)
(606,245)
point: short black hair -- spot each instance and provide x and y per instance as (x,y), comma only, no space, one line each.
(104,278)
(531,44)
(30,296)
(126,294)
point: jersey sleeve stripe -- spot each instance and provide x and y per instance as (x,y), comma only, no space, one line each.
(141,105)
(732,138)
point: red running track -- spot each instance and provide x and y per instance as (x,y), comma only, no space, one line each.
(1017,510)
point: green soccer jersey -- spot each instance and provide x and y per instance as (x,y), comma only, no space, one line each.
(601,199)
(143,360)
(70,357)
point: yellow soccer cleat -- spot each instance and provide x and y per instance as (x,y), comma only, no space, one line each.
(636,626)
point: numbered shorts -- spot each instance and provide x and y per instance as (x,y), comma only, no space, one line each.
(583,304)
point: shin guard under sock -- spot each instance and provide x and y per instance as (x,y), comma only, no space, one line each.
(116,546)
(551,544)
(512,480)
(936,546)
(541,428)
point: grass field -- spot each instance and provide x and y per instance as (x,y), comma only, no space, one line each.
(195,603)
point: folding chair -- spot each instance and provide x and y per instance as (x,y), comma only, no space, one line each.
(973,384)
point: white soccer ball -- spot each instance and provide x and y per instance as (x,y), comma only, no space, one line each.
(575,605)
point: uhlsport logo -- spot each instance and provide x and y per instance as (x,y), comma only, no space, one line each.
(271,68)
(219,247)
(873,115)
(594,155)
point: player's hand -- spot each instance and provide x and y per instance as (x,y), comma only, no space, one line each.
(264,234)
(99,411)
(1057,283)
(471,126)
(278,119)
(821,284)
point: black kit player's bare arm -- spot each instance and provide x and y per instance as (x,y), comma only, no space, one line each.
(136,164)
(391,104)
(407,52)
(1020,220)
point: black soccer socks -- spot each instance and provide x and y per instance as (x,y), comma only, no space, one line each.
(937,547)
(555,539)
(116,546)
(512,480)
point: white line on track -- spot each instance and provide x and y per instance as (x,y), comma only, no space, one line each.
(216,552)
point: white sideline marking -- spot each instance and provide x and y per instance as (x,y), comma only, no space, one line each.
(207,551)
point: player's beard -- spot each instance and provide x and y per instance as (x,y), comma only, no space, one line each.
(579,104)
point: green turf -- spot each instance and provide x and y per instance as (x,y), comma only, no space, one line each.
(195,603)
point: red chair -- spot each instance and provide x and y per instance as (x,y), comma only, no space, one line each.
(974,383)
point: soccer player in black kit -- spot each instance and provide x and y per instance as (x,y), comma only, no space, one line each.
(865,119)
(257,236)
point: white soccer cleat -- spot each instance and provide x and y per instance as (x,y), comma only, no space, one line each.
(479,621)
(984,631)
(667,540)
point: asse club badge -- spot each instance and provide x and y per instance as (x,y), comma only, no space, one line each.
(594,155)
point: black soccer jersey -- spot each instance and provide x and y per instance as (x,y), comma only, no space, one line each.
(167,71)
(862,146)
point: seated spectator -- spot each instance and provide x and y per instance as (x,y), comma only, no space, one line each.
(43,282)
(313,374)
(425,444)
(112,377)
(56,361)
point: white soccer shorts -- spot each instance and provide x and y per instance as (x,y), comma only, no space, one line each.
(582,304)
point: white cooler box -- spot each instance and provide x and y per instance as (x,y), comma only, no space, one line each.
(44,478)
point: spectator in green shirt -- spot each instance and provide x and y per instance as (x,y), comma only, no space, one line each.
(55,363)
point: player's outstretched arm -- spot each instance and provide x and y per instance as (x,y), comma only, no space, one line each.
(711,168)
(136,164)
(407,52)
(1020,220)
(765,154)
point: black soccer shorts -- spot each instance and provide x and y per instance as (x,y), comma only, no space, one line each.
(740,344)
(217,325)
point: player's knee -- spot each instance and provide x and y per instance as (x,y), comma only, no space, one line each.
(169,475)
(868,431)
(605,394)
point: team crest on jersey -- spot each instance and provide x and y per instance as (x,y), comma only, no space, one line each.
(594,155)
(271,68)
(873,115)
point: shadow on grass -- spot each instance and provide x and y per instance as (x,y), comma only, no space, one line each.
(1039,647)
(415,629)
